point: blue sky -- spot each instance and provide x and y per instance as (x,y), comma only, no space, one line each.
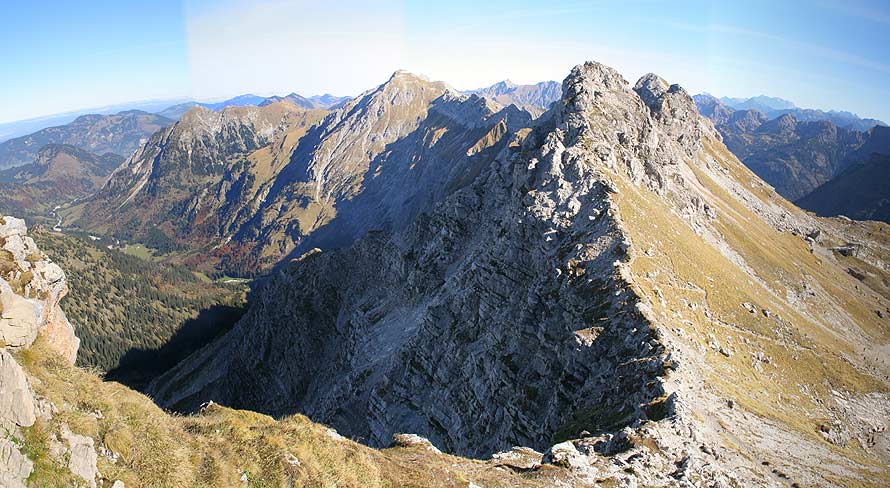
(59,56)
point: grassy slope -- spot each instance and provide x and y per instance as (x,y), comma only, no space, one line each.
(220,446)
(687,279)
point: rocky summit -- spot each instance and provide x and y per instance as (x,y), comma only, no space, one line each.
(614,289)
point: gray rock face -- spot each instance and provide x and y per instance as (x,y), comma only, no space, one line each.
(82,456)
(15,467)
(497,320)
(31,287)
(16,402)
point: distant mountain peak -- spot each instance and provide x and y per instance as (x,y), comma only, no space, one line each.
(533,98)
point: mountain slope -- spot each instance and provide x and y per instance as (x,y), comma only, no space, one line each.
(136,318)
(304,177)
(119,134)
(860,192)
(535,99)
(159,189)
(60,174)
(64,426)
(618,280)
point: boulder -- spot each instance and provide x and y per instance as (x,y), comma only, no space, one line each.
(15,467)
(83,457)
(566,455)
(411,440)
(16,402)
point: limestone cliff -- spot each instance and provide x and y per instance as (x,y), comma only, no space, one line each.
(619,280)
(31,287)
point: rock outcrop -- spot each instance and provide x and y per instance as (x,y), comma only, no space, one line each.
(15,467)
(81,456)
(617,284)
(16,402)
(31,287)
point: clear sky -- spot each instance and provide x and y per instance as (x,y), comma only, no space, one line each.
(58,55)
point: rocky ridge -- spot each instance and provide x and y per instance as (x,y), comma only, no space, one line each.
(618,280)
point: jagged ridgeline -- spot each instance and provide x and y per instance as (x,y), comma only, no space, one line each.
(615,275)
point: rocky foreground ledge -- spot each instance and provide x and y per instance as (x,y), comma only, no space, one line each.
(31,287)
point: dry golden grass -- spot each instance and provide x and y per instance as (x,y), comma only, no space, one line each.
(684,275)
(220,446)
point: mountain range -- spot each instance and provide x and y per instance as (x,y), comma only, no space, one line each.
(762,103)
(119,134)
(774,107)
(793,155)
(319,101)
(535,99)
(582,285)
(613,279)
(251,185)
